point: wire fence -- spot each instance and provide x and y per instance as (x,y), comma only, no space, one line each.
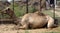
(27,4)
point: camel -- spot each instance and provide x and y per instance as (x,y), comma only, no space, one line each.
(36,20)
(9,12)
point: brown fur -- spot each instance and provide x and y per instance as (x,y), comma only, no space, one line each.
(9,12)
(34,20)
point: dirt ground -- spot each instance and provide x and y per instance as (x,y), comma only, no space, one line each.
(9,28)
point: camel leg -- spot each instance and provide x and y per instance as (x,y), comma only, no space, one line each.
(25,26)
(50,22)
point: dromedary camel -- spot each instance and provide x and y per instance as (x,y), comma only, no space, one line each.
(36,20)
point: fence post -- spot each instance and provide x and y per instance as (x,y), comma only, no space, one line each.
(13,5)
(40,5)
(54,10)
(26,6)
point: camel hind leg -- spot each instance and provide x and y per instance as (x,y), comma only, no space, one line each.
(51,23)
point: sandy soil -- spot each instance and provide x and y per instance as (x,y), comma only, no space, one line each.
(9,28)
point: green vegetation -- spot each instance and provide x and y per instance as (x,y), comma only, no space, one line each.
(32,9)
(21,10)
(26,31)
(52,32)
(49,13)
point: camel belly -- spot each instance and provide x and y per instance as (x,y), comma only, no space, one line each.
(37,21)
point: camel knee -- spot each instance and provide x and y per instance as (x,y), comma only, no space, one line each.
(50,25)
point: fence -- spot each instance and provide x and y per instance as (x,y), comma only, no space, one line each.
(22,7)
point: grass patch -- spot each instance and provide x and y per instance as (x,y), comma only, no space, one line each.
(52,32)
(21,10)
(26,31)
(32,9)
(49,13)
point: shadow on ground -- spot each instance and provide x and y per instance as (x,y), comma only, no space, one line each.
(58,20)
